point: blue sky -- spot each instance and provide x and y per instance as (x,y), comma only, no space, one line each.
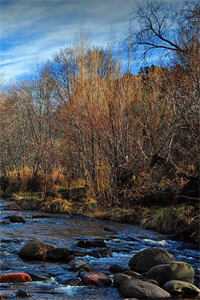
(33,31)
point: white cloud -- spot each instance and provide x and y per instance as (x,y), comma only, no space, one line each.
(31,31)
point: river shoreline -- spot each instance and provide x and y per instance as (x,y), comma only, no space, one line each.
(180,222)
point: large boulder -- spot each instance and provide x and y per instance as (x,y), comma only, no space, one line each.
(35,250)
(176,270)
(148,258)
(136,288)
(181,288)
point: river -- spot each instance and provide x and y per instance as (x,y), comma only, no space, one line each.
(64,231)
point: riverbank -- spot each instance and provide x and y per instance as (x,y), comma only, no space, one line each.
(180,221)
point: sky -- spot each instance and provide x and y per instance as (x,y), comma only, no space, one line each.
(33,31)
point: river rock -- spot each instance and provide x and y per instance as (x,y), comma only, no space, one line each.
(95,243)
(35,250)
(136,288)
(79,265)
(59,255)
(182,288)
(176,270)
(15,277)
(16,219)
(119,277)
(148,258)
(96,278)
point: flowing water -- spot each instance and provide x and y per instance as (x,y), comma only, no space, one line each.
(64,231)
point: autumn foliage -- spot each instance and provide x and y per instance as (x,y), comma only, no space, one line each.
(85,119)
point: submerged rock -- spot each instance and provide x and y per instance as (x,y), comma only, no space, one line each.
(176,270)
(181,288)
(136,288)
(15,277)
(148,258)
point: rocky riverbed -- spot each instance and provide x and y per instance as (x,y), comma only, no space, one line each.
(50,256)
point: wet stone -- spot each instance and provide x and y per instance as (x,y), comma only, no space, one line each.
(136,288)
(15,277)
(148,258)
(185,289)
(176,270)
(59,254)
(79,265)
(35,250)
